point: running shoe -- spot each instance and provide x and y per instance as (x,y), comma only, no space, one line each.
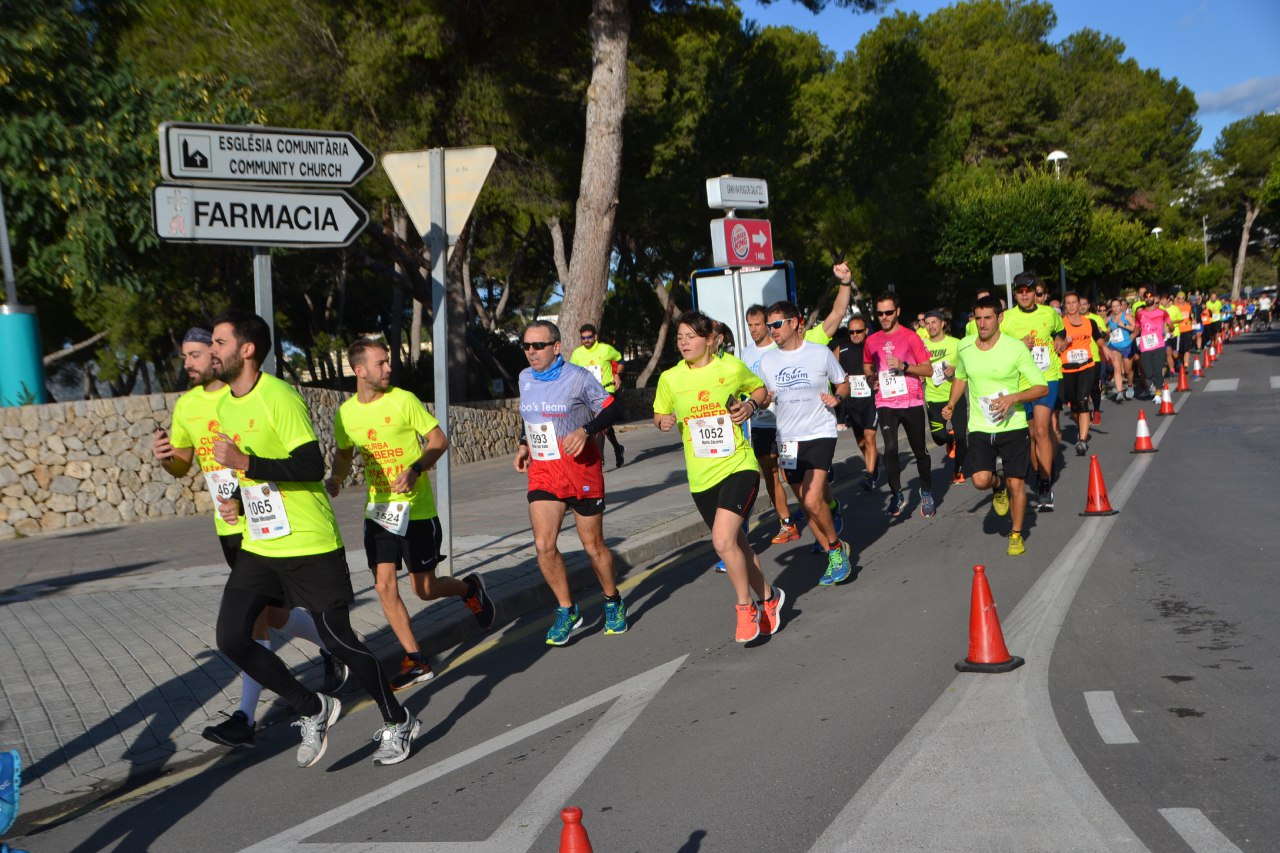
(748,623)
(1128,393)
(1096,418)
(927,507)
(896,503)
(771,612)
(336,674)
(11,787)
(786,533)
(1082,447)
(845,568)
(615,617)
(720,567)
(412,672)
(957,479)
(951,445)
(869,481)
(1016,546)
(837,518)
(395,740)
(234,731)
(479,602)
(1046,498)
(1000,497)
(567,619)
(315,730)
(618,460)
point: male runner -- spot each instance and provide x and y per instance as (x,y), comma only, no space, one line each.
(563,408)
(398,442)
(894,360)
(798,373)
(1186,329)
(292,550)
(1079,366)
(190,439)
(990,368)
(971,327)
(605,364)
(1100,358)
(1211,329)
(859,411)
(937,392)
(1039,327)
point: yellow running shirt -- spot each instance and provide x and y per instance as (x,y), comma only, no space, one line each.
(1043,323)
(270,422)
(714,447)
(387,432)
(195,425)
(599,360)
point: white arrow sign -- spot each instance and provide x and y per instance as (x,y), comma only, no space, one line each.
(465,170)
(245,216)
(261,155)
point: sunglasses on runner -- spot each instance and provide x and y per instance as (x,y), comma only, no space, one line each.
(535,345)
(857,331)
(886,313)
(588,338)
(776,324)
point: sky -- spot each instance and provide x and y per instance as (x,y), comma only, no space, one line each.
(1222,50)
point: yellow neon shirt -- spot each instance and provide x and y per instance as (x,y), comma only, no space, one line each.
(387,432)
(195,424)
(689,393)
(600,355)
(1043,323)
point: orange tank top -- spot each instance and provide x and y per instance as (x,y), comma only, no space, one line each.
(1078,355)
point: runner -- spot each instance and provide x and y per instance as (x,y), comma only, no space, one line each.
(858,411)
(390,426)
(1211,329)
(1039,327)
(1186,330)
(1153,325)
(190,438)
(989,368)
(292,551)
(895,360)
(563,408)
(937,392)
(1079,367)
(798,373)
(1097,351)
(970,327)
(605,364)
(1264,311)
(700,396)
(1171,339)
(1120,346)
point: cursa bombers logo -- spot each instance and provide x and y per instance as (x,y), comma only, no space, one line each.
(214,426)
(704,396)
(791,377)
(250,423)
(372,435)
(386,419)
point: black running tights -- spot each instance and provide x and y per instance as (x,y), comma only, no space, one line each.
(913,419)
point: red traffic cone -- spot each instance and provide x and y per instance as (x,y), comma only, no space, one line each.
(1097,502)
(1183,385)
(1166,402)
(1143,442)
(573,835)
(1195,369)
(987,652)
(1208,356)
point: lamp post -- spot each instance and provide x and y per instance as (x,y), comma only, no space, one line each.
(1056,157)
(1156,231)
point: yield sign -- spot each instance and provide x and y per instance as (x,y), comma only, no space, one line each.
(464,172)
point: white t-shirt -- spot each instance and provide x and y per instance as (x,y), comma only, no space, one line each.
(797,378)
(751,354)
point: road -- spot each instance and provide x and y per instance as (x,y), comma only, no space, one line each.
(1143,719)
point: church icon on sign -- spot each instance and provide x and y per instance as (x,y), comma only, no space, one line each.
(195,152)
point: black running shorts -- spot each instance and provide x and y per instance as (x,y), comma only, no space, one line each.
(230,547)
(813,455)
(736,493)
(1013,448)
(1076,388)
(318,582)
(580,506)
(418,549)
(764,441)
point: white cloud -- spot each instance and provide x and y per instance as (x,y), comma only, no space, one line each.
(1257,94)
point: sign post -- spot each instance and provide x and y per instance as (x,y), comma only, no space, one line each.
(1003,269)
(737,243)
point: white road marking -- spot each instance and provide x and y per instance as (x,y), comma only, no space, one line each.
(1275,383)
(1222,385)
(988,767)
(519,831)
(1198,831)
(1108,719)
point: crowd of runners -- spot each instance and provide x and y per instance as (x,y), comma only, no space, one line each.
(770,414)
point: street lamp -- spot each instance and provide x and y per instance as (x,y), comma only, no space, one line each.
(1056,157)
(1156,231)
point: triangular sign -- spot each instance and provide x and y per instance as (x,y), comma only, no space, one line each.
(465,170)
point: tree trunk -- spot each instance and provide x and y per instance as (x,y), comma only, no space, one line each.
(584,289)
(456,268)
(668,314)
(1237,277)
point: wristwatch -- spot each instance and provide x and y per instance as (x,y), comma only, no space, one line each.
(416,468)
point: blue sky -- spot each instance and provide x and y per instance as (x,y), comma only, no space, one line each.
(1225,51)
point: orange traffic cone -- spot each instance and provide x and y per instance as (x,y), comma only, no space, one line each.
(1097,502)
(1143,443)
(1195,369)
(987,652)
(1183,385)
(573,836)
(1166,402)
(1208,356)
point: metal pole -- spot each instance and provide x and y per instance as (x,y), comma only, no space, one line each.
(1204,229)
(10,287)
(1062,278)
(437,246)
(739,322)
(263,304)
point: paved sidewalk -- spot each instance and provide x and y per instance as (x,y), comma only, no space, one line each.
(110,671)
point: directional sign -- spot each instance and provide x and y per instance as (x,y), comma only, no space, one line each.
(465,170)
(248,216)
(261,155)
(741,242)
(730,193)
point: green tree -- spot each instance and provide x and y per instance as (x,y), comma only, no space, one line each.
(1245,157)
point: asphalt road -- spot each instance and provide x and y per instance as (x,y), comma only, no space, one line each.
(849,729)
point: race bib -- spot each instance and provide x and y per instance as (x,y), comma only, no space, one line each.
(712,436)
(985,405)
(1040,355)
(788,451)
(1117,336)
(390,515)
(265,516)
(542,441)
(1196,327)
(1078,356)
(221,484)
(892,384)
(1151,341)
(597,372)
(940,372)
(858,386)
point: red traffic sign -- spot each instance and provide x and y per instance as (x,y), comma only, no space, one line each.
(741,243)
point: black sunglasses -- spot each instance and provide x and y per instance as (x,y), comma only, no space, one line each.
(857,331)
(886,313)
(535,345)
(588,338)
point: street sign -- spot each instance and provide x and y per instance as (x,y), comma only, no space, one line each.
(741,243)
(465,170)
(1003,269)
(261,155)
(250,216)
(729,193)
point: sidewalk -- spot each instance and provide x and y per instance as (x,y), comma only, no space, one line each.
(110,671)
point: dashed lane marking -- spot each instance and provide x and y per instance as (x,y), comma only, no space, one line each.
(1198,831)
(1108,719)
(1275,383)
(1222,385)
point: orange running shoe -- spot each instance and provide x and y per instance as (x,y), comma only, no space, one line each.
(771,612)
(748,623)
(786,533)
(957,479)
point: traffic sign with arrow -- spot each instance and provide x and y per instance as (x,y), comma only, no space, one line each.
(261,155)
(251,216)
